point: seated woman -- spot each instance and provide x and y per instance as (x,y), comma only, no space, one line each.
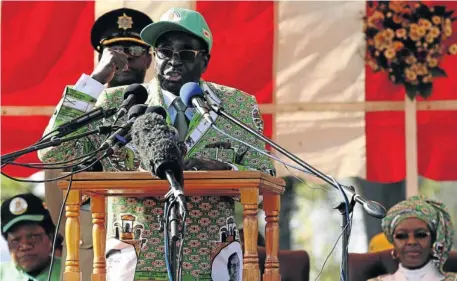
(421,231)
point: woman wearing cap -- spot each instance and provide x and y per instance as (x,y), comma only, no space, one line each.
(421,231)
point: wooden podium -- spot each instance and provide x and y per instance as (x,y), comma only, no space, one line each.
(246,184)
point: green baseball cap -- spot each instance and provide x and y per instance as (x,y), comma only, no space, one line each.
(178,19)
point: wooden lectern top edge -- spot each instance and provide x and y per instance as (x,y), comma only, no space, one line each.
(188,175)
(106,182)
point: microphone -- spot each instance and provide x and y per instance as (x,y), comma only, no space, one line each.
(133,94)
(88,117)
(154,143)
(192,95)
(121,134)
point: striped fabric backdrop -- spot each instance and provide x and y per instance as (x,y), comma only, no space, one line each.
(302,60)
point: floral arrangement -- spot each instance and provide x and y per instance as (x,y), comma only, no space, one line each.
(408,41)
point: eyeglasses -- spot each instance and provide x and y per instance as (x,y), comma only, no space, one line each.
(31,239)
(135,51)
(419,235)
(184,55)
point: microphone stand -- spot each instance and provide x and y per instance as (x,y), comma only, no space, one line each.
(7,158)
(176,203)
(373,208)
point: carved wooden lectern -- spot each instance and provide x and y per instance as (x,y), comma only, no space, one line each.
(246,184)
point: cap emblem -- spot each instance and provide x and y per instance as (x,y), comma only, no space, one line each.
(124,22)
(18,206)
(206,33)
(174,16)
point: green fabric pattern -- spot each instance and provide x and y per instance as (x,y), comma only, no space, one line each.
(208,215)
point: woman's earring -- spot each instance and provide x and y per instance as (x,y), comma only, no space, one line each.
(394,254)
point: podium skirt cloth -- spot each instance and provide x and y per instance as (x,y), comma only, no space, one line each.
(135,243)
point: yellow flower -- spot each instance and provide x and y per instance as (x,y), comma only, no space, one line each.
(447,31)
(429,38)
(434,32)
(453,49)
(419,69)
(410,59)
(381,41)
(390,53)
(410,75)
(433,62)
(414,34)
(414,27)
(436,20)
(425,23)
(401,33)
(389,33)
(427,79)
(421,31)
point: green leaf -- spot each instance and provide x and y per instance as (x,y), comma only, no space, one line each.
(425,90)
(437,72)
(411,91)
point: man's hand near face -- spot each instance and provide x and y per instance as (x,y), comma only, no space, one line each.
(112,61)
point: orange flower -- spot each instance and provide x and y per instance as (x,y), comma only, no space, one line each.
(436,20)
(453,49)
(398,46)
(375,19)
(397,6)
(390,53)
(401,33)
(425,23)
(397,19)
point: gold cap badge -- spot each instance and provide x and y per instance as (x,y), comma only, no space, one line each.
(18,206)
(124,22)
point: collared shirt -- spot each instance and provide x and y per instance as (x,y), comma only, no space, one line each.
(169,98)
(9,272)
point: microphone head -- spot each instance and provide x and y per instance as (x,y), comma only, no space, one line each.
(137,110)
(140,93)
(158,110)
(189,91)
(156,147)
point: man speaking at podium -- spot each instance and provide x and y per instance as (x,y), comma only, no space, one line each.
(182,43)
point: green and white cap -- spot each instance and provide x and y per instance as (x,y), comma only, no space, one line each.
(178,19)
